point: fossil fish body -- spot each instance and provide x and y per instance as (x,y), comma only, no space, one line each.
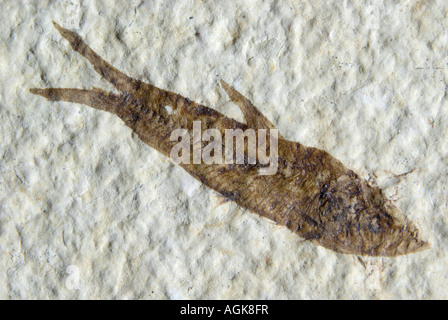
(312,193)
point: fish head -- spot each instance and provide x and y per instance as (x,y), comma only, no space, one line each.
(359,219)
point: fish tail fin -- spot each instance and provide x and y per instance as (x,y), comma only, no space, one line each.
(95,98)
(117,78)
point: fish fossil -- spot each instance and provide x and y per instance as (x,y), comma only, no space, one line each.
(311,193)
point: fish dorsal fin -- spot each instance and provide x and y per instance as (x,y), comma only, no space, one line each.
(254,118)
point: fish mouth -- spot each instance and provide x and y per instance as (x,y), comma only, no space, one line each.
(397,240)
(400,238)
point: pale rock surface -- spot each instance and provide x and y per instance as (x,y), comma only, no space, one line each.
(88,211)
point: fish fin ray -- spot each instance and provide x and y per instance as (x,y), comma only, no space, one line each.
(254,118)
